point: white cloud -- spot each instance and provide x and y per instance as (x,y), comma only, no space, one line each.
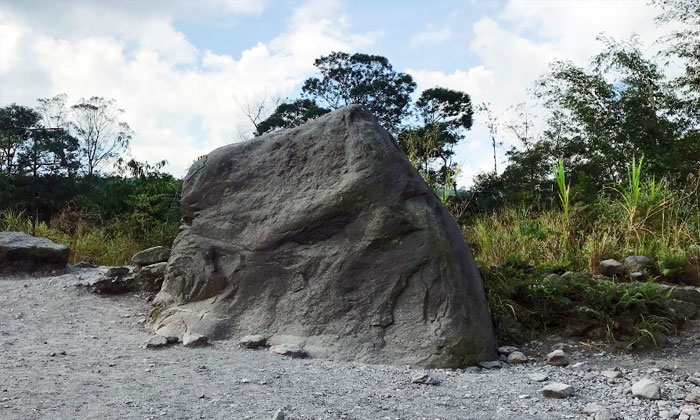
(431,35)
(166,85)
(515,49)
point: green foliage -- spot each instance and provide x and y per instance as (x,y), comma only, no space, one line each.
(523,295)
(666,228)
(290,114)
(364,79)
(560,177)
(622,105)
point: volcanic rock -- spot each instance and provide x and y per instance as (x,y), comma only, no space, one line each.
(325,235)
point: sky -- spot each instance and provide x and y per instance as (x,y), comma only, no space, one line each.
(183,70)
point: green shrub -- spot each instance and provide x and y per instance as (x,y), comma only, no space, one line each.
(521,294)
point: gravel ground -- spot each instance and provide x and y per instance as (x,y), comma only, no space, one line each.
(67,354)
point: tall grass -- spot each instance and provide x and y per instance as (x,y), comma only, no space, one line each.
(648,218)
(86,237)
(560,177)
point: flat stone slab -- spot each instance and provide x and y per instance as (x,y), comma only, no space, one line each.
(18,247)
(150,256)
(290,350)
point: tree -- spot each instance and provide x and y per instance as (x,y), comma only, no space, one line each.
(257,109)
(290,114)
(620,108)
(445,115)
(685,44)
(44,150)
(16,123)
(101,135)
(55,115)
(492,126)
(363,79)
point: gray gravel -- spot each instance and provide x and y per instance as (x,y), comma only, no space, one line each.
(66,353)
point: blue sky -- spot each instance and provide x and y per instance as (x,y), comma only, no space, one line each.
(184,70)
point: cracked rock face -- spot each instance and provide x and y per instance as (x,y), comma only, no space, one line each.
(324,236)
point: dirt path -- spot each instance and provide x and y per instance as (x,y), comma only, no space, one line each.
(69,354)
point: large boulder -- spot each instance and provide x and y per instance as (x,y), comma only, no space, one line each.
(17,249)
(324,236)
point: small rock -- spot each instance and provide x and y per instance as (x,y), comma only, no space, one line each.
(557,358)
(638,263)
(517,358)
(425,379)
(291,350)
(688,413)
(695,380)
(538,377)
(636,276)
(693,397)
(150,256)
(646,389)
(252,341)
(194,340)
(597,412)
(493,364)
(155,342)
(611,268)
(611,374)
(557,390)
(279,415)
(506,350)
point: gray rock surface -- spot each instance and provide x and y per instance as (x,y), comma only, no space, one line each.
(611,268)
(150,256)
(326,236)
(252,341)
(646,389)
(150,278)
(491,364)
(517,357)
(597,412)
(693,397)
(117,271)
(288,349)
(425,379)
(638,263)
(155,342)
(31,251)
(506,350)
(190,339)
(538,377)
(557,358)
(558,390)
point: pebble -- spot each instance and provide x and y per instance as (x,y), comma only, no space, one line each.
(557,358)
(425,379)
(538,377)
(517,357)
(291,350)
(558,390)
(611,374)
(493,364)
(646,389)
(194,340)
